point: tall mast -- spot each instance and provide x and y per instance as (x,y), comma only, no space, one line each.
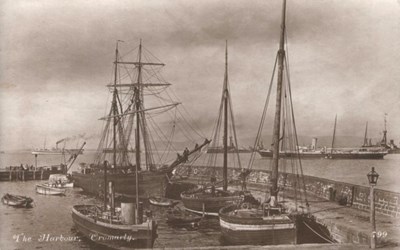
(115,108)
(334,134)
(277,121)
(365,135)
(137,137)
(226,94)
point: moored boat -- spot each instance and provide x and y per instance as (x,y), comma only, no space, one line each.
(114,229)
(247,225)
(61,181)
(271,222)
(161,202)
(16,200)
(208,199)
(49,189)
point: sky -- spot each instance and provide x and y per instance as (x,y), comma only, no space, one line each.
(56,58)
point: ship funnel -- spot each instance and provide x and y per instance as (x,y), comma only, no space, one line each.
(314,143)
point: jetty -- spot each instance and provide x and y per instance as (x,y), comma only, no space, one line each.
(26,173)
(341,208)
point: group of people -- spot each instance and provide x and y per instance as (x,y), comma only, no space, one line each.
(24,167)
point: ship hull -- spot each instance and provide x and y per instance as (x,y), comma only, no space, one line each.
(150,183)
(207,204)
(375,156)
(46,189)
(57,152)
(306,155)
(113,235)
(256,230)
(310,155)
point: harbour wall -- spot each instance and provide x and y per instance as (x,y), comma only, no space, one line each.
(346,194)
(18,173)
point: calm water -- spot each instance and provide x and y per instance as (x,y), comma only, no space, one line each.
(51,215)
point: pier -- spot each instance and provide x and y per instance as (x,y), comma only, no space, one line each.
(342,208)
(18,173)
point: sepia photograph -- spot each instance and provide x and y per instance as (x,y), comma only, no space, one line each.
(184,124)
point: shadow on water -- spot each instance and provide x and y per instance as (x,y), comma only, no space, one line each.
(310,231)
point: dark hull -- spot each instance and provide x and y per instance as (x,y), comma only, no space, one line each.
(310,155)
(208,204)
(16,200)
(161,202)
(356,156)
(394,151)
(306,155)
(114,235)
(256,230)
(150,183)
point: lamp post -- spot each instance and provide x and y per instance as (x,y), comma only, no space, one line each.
(373,178)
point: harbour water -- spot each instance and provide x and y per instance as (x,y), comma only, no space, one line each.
(349,171)
(48,225)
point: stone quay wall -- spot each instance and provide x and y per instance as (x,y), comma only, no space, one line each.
(346,194)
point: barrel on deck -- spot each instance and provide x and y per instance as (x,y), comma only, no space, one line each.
(128,213)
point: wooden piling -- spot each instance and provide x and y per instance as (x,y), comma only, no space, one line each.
(23,175)
(41,174)
(10,174)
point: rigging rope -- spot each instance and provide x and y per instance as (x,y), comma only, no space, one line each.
(252,156)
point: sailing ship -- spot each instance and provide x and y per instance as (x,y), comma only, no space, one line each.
(354,153)
(131,129)
(270,222)
(208,200)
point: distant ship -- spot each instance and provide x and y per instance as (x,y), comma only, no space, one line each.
(56,150)
(304,152)
(390,147)
(354,153)
(231,149)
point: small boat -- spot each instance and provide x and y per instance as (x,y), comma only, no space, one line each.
(177,216)
(162,202)
(61,181)
(49,189)
(17,200)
